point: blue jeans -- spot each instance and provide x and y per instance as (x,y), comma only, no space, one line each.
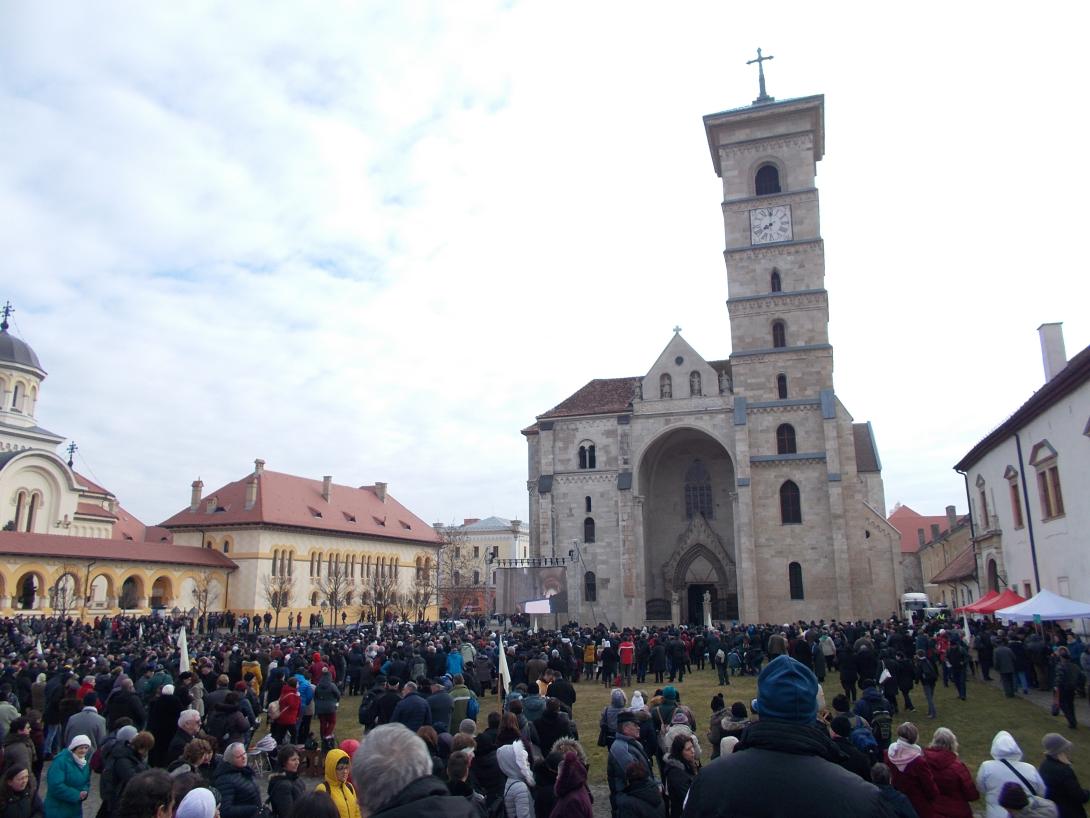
(1022,680)
(929,694)
(959,680)
(724,678)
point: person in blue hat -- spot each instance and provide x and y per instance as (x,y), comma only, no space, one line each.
(785,763)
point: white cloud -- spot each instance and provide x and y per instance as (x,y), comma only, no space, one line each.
(376,240)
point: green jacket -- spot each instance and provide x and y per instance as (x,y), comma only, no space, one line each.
(66,780)
(461,695)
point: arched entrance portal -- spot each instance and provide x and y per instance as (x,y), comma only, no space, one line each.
(26,590)
(687,485)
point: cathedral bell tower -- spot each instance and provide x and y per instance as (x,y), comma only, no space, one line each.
(767,155)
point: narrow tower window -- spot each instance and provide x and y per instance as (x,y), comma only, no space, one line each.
(767,180)
(790,504)
(777,285)
(794,579)
(779,334)
(781,386)
(588,530)
(785,439)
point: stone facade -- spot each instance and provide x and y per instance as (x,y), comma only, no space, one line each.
(744,478)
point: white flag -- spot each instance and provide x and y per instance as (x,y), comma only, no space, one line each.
(39,647)
(183,650)
(140,632)
(505,672)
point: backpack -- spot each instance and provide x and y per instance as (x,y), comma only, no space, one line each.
(98,757)
(882,725)
(274,710)
(863,740)
(473,708)
(720,657)
(366,714)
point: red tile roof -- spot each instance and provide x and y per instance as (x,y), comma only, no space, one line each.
(297,502)
(95,548)
(91,510)
(94,487)
(907,522)
(960,567)
(601,396)
(128,527)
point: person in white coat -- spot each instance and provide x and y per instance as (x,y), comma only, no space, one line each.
(1006,765)
(515,764)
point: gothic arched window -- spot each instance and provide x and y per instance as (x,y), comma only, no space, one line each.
(588,529)
(785,439)
(779,334)
(275,561)
(587,457)
(694,385)
(790,504)
(777,285)
(666,386)
(794,580)
(590,587)
(781,386)
(587,503)
(767,180)
(698,492)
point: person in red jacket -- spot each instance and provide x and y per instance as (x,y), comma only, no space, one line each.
(289,711)
(910,772)
(627,650)
(952,777)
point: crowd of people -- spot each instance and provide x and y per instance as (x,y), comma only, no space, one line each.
(107,706)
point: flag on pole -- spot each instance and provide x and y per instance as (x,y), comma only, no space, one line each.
(378,629)
(140,632)
(505,672)
(183,651)
(39,647)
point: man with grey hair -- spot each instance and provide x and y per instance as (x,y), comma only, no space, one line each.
(189,724)
(392,773)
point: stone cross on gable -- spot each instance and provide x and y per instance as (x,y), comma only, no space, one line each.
(677,329)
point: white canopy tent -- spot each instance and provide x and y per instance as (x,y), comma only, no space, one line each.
(1047,606)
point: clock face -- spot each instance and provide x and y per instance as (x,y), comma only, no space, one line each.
(769,224)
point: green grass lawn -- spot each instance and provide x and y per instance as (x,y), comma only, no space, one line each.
(975,722)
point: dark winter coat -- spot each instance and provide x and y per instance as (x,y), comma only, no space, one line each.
(125,703)
(427,796)
(1063,789)
(442,706)
(679,777)
(644,800)
(572,795)
(26,804)
(326,696)
(955,783)
(751,780)
(240,797)
(485,770)
(658,658)
(284,790)
(163,715)
(176,746)
(120,766)
(851,758)
(412,711)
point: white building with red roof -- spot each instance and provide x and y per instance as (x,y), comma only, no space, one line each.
(326,547)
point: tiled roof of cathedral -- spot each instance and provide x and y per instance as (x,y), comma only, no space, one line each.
(866,456)
(1068,379)
(91,485)
(297,502)
(960,567)
(96,548)
(602,396)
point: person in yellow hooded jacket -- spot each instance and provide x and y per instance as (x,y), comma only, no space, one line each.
(338,783)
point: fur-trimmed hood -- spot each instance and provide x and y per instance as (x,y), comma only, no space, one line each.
(572,775)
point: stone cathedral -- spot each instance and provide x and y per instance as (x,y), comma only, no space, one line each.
(743,482)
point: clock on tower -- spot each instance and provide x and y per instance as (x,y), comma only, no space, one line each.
(769,224)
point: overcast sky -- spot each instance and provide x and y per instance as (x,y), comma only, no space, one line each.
(376,240)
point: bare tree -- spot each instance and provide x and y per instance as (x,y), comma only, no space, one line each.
(204,593)
(335,588)
(67,591)
(379,594)
(420,597)
(278,590)
(456,584)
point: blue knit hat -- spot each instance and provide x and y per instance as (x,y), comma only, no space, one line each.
(787,691)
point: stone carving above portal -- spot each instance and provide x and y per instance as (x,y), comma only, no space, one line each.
(698,537)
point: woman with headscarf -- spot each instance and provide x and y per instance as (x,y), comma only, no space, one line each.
(69,780)
(338,784)
(197,803)
(163,712)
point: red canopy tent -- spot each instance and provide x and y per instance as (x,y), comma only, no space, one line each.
(1004,600)
(974,607)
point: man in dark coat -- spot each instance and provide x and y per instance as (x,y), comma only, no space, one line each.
(392,774)
(124,702)
(851,759)
(784,746)
(1005,666)
(234,779)
(189,723)
(625,750)
(413,710)
(163,712)
(441,705)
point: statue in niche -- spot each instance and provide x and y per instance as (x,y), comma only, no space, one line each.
(707,600)
(724,383)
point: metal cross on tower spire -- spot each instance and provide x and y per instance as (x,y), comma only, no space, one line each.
(6,312)
(72,449)
(764,97)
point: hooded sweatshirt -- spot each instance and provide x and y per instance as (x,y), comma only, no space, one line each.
(515,764)
(910,773)
(993,774)
(343,795)
(572,796)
